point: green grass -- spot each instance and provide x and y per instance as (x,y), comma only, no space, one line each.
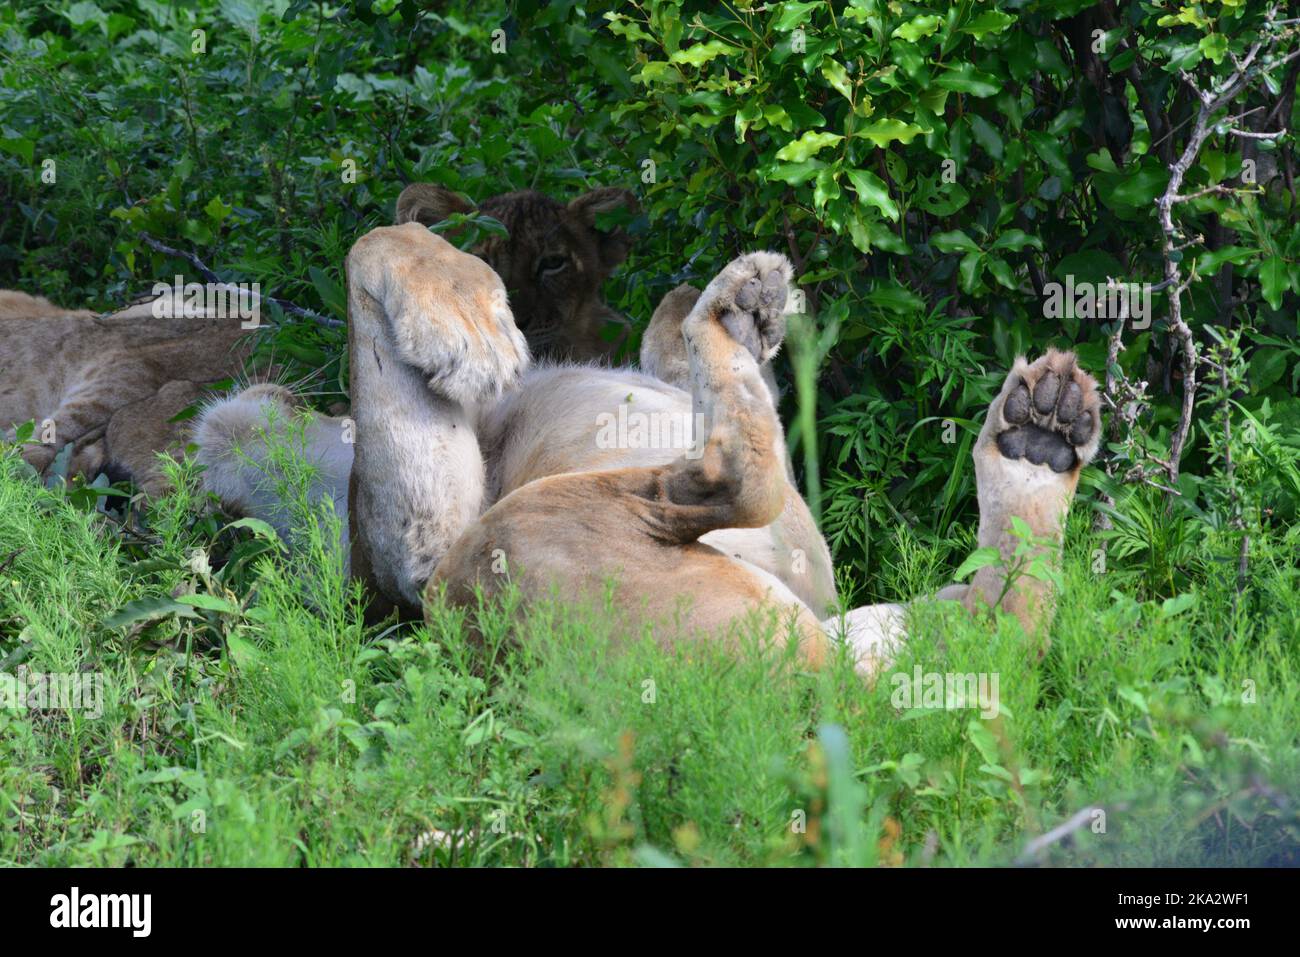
(267,725)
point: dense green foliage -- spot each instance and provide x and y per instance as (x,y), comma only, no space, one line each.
(931,169)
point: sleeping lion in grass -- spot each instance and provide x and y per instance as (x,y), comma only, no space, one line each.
(463,467)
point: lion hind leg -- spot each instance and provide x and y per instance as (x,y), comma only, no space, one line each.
(734,474)
(663,347)
(1041,430)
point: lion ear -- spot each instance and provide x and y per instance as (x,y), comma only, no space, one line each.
(428,204)
(604,200)
(614,244)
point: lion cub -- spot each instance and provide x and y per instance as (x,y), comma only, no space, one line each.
(112,386)
(553,262)
(108,386)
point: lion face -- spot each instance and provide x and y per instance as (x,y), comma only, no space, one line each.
(553,262)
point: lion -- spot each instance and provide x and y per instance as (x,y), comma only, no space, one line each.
(114,386)
(553,261)
(109,386)
(470,467)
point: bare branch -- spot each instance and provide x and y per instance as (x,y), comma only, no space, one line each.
(1212,101)
(203,270)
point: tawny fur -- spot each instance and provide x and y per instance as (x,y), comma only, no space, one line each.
(109,386)
(469,469)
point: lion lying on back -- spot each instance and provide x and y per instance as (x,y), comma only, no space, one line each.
(470,469)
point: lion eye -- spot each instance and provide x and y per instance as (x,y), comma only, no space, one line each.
(551,264)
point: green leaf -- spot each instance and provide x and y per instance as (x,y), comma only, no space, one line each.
(980,558)
(796,174)
(1016,239)
(1001,271)
(972,264)
(793,14)
(209,603)
(838,77)
(806,146)
(19,146)
(884,131)
(909,769)
(217,209)
(1267,366)
(871,189)
(985,743)
(1141,189)
(659,71)
(330,291)
(986,135)
(83,12)
(991,21)
(1178,604)
(1070,118)
(827,188)
(917,27)
(966,79)
(243,653)
(954,241)
(1207,264)
(1273,280)
(258,527)
(145,610)
(1215,46)
(697,54)
(1050,152)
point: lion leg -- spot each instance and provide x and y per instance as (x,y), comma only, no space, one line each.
(647,521)
(663,351)
(430,336)
(1041,430)
(792,548)
(83,410)
(137,432)
(734,477)
(663,348)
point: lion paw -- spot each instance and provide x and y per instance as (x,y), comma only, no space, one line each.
(748,299)
(1050,413)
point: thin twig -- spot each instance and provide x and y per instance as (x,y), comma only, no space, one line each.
(1211,102)
(203,270)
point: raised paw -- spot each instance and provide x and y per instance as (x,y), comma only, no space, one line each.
(1049,413)
(748,298)
(444,311)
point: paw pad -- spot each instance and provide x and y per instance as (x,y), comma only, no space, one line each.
(1050,414)
(749,296)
